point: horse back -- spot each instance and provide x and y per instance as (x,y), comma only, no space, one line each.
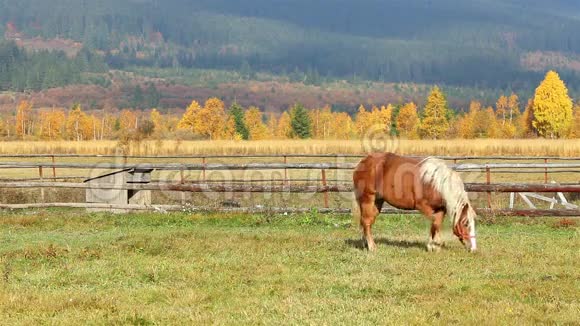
(395,179)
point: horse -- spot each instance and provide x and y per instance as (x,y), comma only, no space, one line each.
(427,185)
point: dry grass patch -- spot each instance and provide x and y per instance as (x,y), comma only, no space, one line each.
(461,147)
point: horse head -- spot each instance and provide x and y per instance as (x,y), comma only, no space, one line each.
(464,227)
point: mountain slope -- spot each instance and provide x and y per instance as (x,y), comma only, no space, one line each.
(478,43)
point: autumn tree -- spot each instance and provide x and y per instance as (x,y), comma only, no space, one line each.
(159,125)
(190,119)
(376,120)
(525,126)
(272,124)
(501,108)
(300,122)
(408,121)
(552,107)
(513,108)
(213,119)
(52,124)
(284,127)
(78,124)
(257,130)
(575,130)
(466,123)
(24,119)
(342,126)
(363,121)
(322,120)
(128,120)
(210,121)
(434,124)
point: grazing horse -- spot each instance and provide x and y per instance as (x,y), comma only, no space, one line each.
(427,185)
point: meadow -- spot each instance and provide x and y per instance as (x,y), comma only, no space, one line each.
(465,147)
(68,266)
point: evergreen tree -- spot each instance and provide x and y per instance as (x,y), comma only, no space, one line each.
(552,107)
(152,97)
(237,112)
(138,98)
(301,124)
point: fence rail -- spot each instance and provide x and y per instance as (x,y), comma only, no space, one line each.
(470,187)
(268,166)
(495,157)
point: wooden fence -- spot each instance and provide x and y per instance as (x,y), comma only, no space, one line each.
(287,185)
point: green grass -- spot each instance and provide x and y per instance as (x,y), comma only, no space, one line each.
(66,266)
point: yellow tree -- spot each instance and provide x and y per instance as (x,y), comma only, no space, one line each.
(526,129)
(158,121)
(575,130)
(78,125)
(256,127)
(467,123)
(341,126)
(24,121)
(108,122)
(488,126)
(190,119)
(513,108)
(128,120)
(385,118)
(272,124)
(501,108)
(51,124)
(408,121)
(552,107)
(212,119)
(95,122)
(284,129)
(363,121)
(229,129)
(321,122)
(434,124)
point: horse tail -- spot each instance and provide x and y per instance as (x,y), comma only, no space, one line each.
(448,183)
(355,210)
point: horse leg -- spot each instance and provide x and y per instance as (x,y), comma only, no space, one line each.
(369,213)
(427,210)
(435,242)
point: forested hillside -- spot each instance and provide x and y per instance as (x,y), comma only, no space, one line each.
(482,43)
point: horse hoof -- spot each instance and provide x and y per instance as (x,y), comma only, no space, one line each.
(433,248)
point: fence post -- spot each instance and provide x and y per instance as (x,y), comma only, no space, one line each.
(203,169)
(182,182)
(325,190)
(546,171)
(41,180)
(285,170)
(488,179)
(53,168)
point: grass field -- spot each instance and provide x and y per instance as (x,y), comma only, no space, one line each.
(462,147)
(66,267)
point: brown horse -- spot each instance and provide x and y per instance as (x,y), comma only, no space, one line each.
(427,185)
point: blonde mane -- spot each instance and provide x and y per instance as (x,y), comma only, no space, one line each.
(447,182)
